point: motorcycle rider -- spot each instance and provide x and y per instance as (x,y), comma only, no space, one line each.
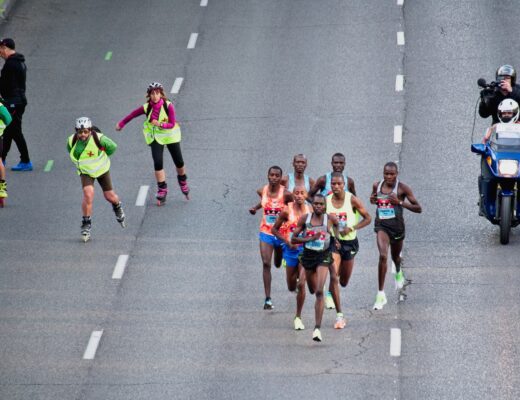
(508,112)
(506,88)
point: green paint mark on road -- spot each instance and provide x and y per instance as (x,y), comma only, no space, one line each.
(48,166)
(108,56)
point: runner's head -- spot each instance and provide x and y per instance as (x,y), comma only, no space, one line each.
(299,194)
(155,92)
(83,127)
(338,162)
(299,163)
(390,172)
(337,183)
(318,204)
(274,175)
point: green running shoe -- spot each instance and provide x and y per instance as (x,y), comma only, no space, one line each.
(3,190)
(399,280)
(380,301)
(329,301)
(298,324)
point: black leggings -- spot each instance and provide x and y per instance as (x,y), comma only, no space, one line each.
(157,154)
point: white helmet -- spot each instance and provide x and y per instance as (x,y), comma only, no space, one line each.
(153,86)
(508,106)
(83,123)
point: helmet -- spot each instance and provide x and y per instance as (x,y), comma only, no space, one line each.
(506,70)
(83,123)
(154,85)
(509,106)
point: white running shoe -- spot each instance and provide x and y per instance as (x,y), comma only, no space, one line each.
(380,301)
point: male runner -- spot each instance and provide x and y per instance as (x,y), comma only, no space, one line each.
(343,205)
(323,186)
(283,229)
(298,178)
(316,256)
(273,198)
(391,196)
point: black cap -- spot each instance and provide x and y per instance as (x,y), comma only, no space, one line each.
(7,42)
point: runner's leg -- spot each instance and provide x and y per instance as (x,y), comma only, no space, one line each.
(334,284)
(300,297)
(321,277)
(395,251)
(345,271)
(266,252)
(383,242)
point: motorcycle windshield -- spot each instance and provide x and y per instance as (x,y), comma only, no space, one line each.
(506,138)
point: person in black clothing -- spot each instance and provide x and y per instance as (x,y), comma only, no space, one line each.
(506,88)
(12,90)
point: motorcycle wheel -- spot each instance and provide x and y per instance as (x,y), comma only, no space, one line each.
(505,219)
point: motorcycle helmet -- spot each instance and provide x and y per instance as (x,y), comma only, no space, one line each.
(510,107)
(153,86)
(506,70)
(83,123)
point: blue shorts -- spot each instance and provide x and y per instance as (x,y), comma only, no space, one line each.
(290,256)
(270,239)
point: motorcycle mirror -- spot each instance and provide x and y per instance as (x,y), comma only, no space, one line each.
(481,82)
(478,148)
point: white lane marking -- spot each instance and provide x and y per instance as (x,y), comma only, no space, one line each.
(177,85)
(395,342)
(400,2)
(93,343)
(203,3)
(193,40)
(400,38)
(398,134)
(141,196)
(399,83)
(119,269)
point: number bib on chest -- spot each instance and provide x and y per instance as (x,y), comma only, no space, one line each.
(385,209)
(316,245)
(271,214)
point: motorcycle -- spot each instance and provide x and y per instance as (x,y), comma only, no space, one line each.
(500,175)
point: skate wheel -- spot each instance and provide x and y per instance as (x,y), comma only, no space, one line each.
(159,203)
(187,196)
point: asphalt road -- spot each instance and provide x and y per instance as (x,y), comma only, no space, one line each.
(265,80)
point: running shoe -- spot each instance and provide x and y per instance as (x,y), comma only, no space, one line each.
(3,190)
(22,167)
(399,280)
(316,335)
(268,304)
(329,301)
(380,301)
(298,324)
(341,322)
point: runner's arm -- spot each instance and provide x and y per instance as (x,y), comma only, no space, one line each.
(317,187)
(373,195)
(296,239)
(412,204)
(288,197)
(284,181)
(257,206)
(358,205)
(275,229)
(351,186)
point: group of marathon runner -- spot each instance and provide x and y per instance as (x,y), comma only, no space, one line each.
(310,226)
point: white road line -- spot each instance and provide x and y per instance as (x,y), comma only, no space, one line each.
(398,134)
(93,343)
(399,83)
(141,196)
(203,3)
(395,342)
(400,38)
(193,40)
(119,269)
(177,85)
(400,2)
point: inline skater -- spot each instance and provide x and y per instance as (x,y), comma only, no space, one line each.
(161,129)
(273,198)
(343,205)
(89,151)
(316,257)
(298,177)
(282,229)
(391,196)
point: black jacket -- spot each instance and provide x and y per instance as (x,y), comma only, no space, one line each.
(12,80)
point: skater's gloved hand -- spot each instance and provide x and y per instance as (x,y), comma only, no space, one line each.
(118,127)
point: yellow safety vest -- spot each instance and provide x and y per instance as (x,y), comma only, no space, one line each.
(92,161)
(161,136)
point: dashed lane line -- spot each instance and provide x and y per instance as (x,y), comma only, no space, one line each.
(395,342)
(141,196)
(48,166)
(108,56)
(398,134)
(193,40)
(93,343)
(177,85)
(399,83)
(400,38)
(120,267)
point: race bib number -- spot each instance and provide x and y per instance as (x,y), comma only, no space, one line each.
(342,220)
(385,209)
(270,215)
(316,245)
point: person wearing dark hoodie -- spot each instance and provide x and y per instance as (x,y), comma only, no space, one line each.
(12,90)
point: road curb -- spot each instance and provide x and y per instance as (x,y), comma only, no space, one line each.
(5,7)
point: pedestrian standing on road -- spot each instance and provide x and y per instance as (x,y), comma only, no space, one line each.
(5,120)
(12,90)
(318,230)
(391,197)
(89,151)
(161,129)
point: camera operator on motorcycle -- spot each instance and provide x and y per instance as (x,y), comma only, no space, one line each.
(504,87)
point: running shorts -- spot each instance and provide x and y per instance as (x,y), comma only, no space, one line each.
(394,235)
(311,259)
(291,255)
(104,181)
(348,249)
(270,239)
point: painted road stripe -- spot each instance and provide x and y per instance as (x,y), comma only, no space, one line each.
(203,3)
(398,134)
(119,270)
(395,342)
(399,83)
(400,2)
(108,56)
(48,166)
(93,343)
(177,85)
(400,38)
(141,196)
(193,40)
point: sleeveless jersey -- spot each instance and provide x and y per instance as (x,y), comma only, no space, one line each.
(387,214)
(288,227)
(323,242)
(328,188)
(292,182)
(345,215)
(271,208)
